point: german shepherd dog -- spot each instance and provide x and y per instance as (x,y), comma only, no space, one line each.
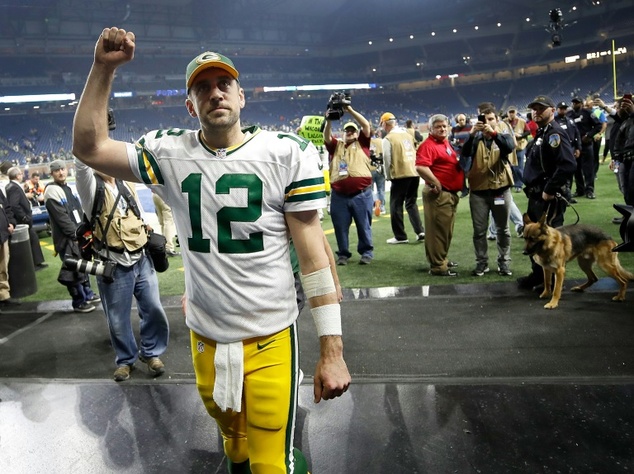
(553,248)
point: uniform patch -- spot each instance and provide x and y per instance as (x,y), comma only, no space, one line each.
(554,140)
(200,346)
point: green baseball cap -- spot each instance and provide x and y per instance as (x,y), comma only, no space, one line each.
(206,60)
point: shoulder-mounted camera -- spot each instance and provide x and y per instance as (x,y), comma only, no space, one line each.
(336,103)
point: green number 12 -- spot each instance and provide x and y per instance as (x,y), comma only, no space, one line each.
(192,185)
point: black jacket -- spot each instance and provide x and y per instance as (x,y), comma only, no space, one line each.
(65,213)
(550,161)
(6,218)
(587,126)
(20,204)
(571,129)
(624,143)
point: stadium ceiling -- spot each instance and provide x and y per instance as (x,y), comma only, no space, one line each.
(328,28)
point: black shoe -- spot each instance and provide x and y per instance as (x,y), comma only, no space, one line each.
(171,253)
(84,308)
(573,201)
(580,194)
(10,302)
(452,264)
(446,273)
(342,261)
(529,282)
(617,220)
(590,195)
(41,266)
(365,260)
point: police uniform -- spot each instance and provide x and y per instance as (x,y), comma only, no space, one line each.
(575,141)
(550,164)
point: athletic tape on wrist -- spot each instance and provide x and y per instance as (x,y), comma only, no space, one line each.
(327,319)
(318,283)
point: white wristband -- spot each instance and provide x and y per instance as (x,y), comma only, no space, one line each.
(318,283)
(327,319)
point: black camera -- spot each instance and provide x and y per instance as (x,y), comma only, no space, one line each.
(112,124)
(336,103)
(97,268)
(376,160)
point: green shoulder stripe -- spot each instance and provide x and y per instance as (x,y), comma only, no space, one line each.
(305,190)
(148,166)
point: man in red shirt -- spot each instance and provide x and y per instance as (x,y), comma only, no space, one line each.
(437,163)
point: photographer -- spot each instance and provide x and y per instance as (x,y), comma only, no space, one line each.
(351,181)
(133,275)
(490,179)
(399,155)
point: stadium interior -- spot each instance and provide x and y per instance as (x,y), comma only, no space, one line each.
(484,388)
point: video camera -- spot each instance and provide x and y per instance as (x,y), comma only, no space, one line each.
(336,103)
(97,268)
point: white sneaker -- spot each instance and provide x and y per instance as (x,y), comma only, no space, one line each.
(393,240)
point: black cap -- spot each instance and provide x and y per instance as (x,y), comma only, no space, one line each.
(577,99)
(542,100)
(562,105)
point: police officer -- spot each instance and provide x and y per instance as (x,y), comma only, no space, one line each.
(562,118)
(550,164)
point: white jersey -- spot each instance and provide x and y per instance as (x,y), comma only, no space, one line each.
(229,206)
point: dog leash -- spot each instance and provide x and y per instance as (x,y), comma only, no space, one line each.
(558,196)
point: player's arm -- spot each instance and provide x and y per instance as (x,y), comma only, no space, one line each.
(333,269)
(91,142)
(331,374)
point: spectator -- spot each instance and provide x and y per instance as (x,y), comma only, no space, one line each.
(623,150)
(522,133)
(437,163)
(378,174)
(34,189)
(65,213)
(23,213)
(588,127)
(414,133)
(459,134)
(7,225)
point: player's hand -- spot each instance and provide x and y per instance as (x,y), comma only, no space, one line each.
(115,47)
(332,378)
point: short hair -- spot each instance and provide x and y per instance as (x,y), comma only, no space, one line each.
(409,123)
(487,110)
(14,172)
(437,118)
(35,174)
(486,105)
